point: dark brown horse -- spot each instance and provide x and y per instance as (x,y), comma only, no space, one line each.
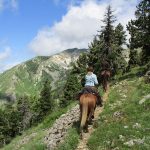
(105,75)
(87,107)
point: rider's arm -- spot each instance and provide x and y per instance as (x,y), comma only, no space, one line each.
(95,80)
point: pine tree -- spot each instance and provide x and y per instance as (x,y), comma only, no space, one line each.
(4,129)
(142,23)
(95,48)
(9,124)
(119,51)
(108,30)
(24,110)
(45,103)
(80,66)
(132,45)
(72,87)
(14,122)
(139,30)
(108,45)
(119,35)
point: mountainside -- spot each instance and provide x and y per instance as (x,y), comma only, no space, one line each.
(122,125)
(26,78)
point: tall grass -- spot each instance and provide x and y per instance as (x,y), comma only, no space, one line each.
(131,125)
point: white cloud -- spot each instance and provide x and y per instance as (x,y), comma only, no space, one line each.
(1,5)
(3,57)
(79,25)
(5,54)
(14,4)
(8,4)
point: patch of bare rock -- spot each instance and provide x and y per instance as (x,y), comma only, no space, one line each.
(58,131)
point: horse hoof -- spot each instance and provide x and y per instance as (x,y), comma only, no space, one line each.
(90,122)
(92,117)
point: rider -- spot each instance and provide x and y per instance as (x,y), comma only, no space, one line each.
(105,65)
(91,82)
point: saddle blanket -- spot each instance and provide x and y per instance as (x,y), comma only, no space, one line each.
(87,90)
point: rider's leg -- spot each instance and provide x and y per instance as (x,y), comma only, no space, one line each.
(99,100)
(78,95)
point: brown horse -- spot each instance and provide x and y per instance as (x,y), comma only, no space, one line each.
(105,75)
(87,107)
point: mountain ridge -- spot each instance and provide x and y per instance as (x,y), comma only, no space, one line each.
(27,77)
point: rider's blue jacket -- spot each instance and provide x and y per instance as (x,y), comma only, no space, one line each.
(91,80)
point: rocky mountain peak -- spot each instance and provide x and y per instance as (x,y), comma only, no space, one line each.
(26,78)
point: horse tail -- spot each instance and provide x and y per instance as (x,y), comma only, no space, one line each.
(84,113)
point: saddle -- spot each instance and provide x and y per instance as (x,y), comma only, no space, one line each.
(89,90)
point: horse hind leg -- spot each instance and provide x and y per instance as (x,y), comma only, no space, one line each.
(104,87)
(91,116)
(81,128)
(106,84)
(103,84)
(86,130)
(81,133)
(84,114)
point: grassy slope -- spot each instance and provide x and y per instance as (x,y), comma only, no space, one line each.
(34,137)
(132,125)
(113,132)
(28,77)
(20,80)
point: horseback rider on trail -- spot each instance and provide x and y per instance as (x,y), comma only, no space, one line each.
(90,85)
(105,65)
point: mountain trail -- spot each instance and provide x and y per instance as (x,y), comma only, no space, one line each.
(57,133)
(83,143)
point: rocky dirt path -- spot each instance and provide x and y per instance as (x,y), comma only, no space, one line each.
(57,133)
(83,143)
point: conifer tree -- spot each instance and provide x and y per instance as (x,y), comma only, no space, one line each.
(81,64)
(140,30)
(24,110)
(9,124)
(45,103)
(72,87)
(119,51)
(119,35)
(108,45)
(4,129)
(132,45)
(94,50)
(108,30)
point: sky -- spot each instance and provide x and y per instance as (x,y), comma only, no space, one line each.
(30,28)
